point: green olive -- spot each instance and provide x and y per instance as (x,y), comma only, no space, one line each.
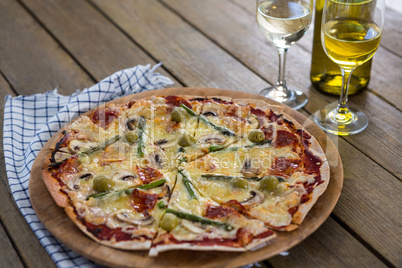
(186,140)
(102,184)
(178,114)
(256,135)
(239,183)
(84,158)
(169,222)
(268,183)
(131,136)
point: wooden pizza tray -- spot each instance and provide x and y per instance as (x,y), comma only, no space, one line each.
(58,223)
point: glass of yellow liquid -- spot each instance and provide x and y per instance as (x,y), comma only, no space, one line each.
(284,22)
(349,39)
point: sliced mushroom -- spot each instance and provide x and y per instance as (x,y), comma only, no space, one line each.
(164,143)
(156,160)
(193,227)
(210,111)
(60,156)
(250,169)
(131,123)
(85,175)
(73,180)
(124,175)
(161,141)
(64,150)
(78,146)
(213,139)
(165,192)
(144,221)
(81,209)
(256,198)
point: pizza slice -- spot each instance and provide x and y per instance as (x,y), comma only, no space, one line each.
(276,179)
(193,221)
(171,127)
(219,125)
(110,191)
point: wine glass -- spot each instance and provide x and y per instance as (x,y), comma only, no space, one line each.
(284,22)
(350,34)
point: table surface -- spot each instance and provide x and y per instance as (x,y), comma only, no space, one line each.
(47,44)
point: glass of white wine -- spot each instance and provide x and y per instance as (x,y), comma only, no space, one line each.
(284,22)
(350,34)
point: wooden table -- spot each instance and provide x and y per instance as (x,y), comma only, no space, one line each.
(47,44)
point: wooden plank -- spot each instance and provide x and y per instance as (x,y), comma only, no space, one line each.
(142,15)
(31,60)
(30,250)
(53,217)
(369,206)
(391,38)
(370,203)
(213,18)
(385,78)
(331,246)
(187,54)
(8,255)
(99,47)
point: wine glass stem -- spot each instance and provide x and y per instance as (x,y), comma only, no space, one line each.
(343,114)
(281,83)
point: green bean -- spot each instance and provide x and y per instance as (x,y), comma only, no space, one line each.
(221,129)
(202,220)
(187,183)
(214,148)
(101,146)
(129,191)
(227,178)
(141,128)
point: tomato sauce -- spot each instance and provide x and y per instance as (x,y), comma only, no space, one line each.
(175,101)
(148,174)
(70,166)
(284,138)
(218,211)
(142,201)
(105,116)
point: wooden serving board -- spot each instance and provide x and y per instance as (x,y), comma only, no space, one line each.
(58,223)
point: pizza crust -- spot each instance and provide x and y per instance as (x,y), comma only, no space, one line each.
(53,185)
(315,148)
(62,199)
(256,244)
(128,245)
(154,251)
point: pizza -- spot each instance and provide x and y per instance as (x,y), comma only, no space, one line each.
(185,172)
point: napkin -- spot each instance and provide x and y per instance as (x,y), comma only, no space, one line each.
(30,121)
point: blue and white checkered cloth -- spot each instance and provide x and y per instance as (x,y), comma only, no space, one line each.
(30,121)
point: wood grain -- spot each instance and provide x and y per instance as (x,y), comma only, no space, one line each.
(53,217)
(100,47)
(209,17)
(342,248)
(370,204)
(32,55)
(188,55)
(385,78)
(391,38)
(213,18)
(7,250)
(60,43)
(23,239)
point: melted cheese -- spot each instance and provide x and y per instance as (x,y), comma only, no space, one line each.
(196,160)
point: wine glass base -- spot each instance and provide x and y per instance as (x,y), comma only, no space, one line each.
(356,121)
(293,98)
